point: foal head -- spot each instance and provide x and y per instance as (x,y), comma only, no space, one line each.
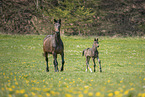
(57,25)
(96,43)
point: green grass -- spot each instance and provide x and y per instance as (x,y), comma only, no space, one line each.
(22,68)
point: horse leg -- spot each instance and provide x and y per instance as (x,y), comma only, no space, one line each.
(46,59)
(99,64)
(87,64)
(62,57)
(94,64)
(55,62)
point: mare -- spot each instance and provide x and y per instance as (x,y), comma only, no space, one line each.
(52,44)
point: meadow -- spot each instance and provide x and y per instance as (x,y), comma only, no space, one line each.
(23,70)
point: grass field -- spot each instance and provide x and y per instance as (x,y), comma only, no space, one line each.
(22,68)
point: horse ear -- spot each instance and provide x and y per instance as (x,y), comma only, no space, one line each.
(55,20)
(94,39)
(60,21)
(97,39)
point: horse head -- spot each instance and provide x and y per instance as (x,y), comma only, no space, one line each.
(96,43)
(57,25)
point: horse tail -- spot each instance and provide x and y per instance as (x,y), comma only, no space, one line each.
(43,54)
(83,53)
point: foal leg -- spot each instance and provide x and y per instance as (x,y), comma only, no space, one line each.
(94,64)
(62,57)
(87,64)
(55,62)
(46,59)
(99,64)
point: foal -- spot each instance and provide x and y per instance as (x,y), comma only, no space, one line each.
(92,52)
(53,44)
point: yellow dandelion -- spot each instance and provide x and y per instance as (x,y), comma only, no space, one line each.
(126,92)
(27,81)
(17,91)
(45,90)
(9,84)
(121,90)
(33,93)
(110,94)
(116,92)
(108,81)
(139,95)
(131,84)
(10,95)
(16,83)
(3,89)
(119,95)
(80,95)
(57,93)
(13,86)
(85,91)
(124,86)
(143,94)
(11,73)
(68,95)
(44,86)
(121,81)
(22,91)
(98,94)
(86,87)
(52,92)
(10,89)
(47,94)
(144,79)
(132,89)
(40,95)
(25,95)
(90,84)
(90,94)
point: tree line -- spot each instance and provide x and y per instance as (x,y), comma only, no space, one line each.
(79,17)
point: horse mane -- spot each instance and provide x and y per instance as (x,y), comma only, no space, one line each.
(88,48)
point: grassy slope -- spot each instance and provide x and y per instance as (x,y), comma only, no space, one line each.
(22,68)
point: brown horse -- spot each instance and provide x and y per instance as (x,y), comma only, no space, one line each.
(92,52)
(53,44)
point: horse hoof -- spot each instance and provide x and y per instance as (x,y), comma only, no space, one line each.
(61,69)
(100,70)
(56,70)
(47,70)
